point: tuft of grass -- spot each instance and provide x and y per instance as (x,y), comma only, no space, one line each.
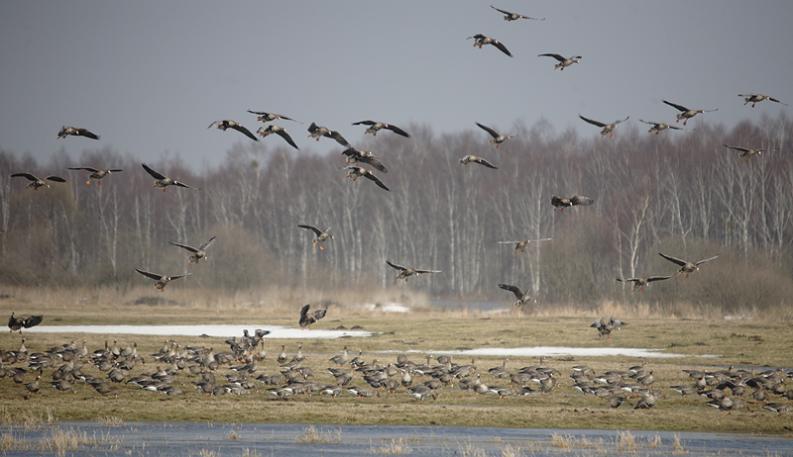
(232,436)
(250,453)
(509,451)
(562,441)
(207,453)
(27,418)
(469,450)
(626,441)
(8,442)
(60,442)
(312,435)
(654,442)
(396,446)
(677,446)
(111,421)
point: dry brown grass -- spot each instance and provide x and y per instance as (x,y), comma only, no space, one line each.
(626,441)
(654,442)
(562,441)
(207,453)
(110,421)
(677,446)
(397,446)
(232,435)
(313,435)
(27,418)
(470,450)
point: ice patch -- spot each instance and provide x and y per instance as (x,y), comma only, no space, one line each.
(220,330)
(550,351)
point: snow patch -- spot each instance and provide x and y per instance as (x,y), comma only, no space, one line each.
(220,330)
(390,307)
(550,351)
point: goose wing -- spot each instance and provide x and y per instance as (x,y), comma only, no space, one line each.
(736,148)
(207,244)
(319,314)
(680,262)
(316,231)
(485,162)
(680,108)
(514,289)
(27,176)
(628,279)
(153,276)
(648,122)
(282,133)
(507,13)
(305,320)
(338,137)
(367,122)
(776,100)
(87,133)
(501,47)
(489,130)
(352,152)
(370,176)
(700,262)
(184,246)
(376,164)
(181,184)
(174,278)
(153,173)
(657,278)
(592,121)
(32,321)
(92,170)
(395,266)
(397,130)
(622,120)
(581,200)
(244,131)
(558,57)
(557,201)
(55,178)
(424,271)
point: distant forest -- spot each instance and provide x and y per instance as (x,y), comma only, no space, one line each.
(681,192)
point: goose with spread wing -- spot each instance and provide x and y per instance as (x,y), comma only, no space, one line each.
(18,323)
(605,128)
(161,281)
(161,181)
(354,172)
(470,158)
(375,126)
(641,283)
(658,127)
(575,200)
(510,16)
(522,245)
(522,298)
(96,173)
(264,116)
(757,98)
(320,236)
(482,40)
(745,153)
(686,113)
(687,267)
(229,124)
(315,131)
(36,182)
(495,137)
(196,253)
(270,129)
(309,316)
(76,131)
(356,155)
(564,62)
(406,272)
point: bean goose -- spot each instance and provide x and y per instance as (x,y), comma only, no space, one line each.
(264,116)
(375,126)
(96,173)
(406,272)
(354,172)
(76,131)
(605,129)
(162,181)
(482,40)
(564,62)
(356,155)
(470,158)
(18,323)
(196,254)
(317,132)
(685,113)
(522,298)
(641,283)
(308,316)
(161,281)
(509,16)
(229,124)
(36,182)
(522,245)
(495,137)
(658,127)
(264,132)
(757,98)
(687,267)
(575,200)
(746,153)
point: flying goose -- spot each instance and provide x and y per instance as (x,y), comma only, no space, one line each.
(757,98)
(509,16)
(522,245)
(163,181)
(496,138)
(229,124)
(76,131)
(367,157)
(470,158)
(523,298)
(316,132)
(35,182)
(605,327)
(307,318)
(96,173)
(374,126)
(606,129)
(687,267)
(481,40)
(685,113)
(658,127)
(196,254)
(320,236)
(575,200)
(354,172)
(264,116)
(264,132)
(563,61)
(18,323)
(406,272)
(745,152)
(162,280)
(641,283)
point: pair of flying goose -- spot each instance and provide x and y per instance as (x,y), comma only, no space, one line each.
(196,255)
(686,268)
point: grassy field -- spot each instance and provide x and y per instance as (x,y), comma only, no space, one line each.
(748,341)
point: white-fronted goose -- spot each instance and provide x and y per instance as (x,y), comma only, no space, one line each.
(18,323)
(264,116)
(229,124)
(757,98)
(35,182)
(96,173)
(746,153)
(605,327)
(406,272)
(163,181)
(161,280)
(575,200)
(354,172)
(687,267)
(316,132)
(522,298)
(658,127)
(564,62)
(375,126)
(641,283)
(522,245)
(605,128)
(470,158)
(510,16)
(264,132)
(685,113)
(495,137)
(308,317)
(196,254)
(76,131)
(356,155)
(481,40)
(321,236)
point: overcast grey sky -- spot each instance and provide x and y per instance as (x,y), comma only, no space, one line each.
(149,76)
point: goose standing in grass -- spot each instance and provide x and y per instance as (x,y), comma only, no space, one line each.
(495,137)
(482,40)
(375,126)
(510,16)
(321,236)
(162,181)
(470,158)
(229,124)
(18,323)
(308,316)
(264,116)
(76,131)
(196,254)
(356,155)
(575,200)
(35,182)
(658,127)
(315,131)
(264,132)
(522,298)
(96,174)
(564,62)
(354,172)
(406,272)
(687,267)
(605,129)
(685,113)
(757,98)
(746,153)
(641,283)
(522,245)
(161,280)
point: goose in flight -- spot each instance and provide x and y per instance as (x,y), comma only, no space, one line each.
(757,98)
(375,126)
(229,124)
(509,16)
(367,157)
(687,267)
(564,62)
(495,137)
(161,280)
(575,200)
(522,245)
(316,132)
(76,131)
(523,298)
(746,153)
(658,127)
(264,132)
(96,173)
(641,283)
(321,236)
(18,323)
(470,158)
(606,129)
(685,113)
(35,182)
(354,172)
(163,181)
(196,254)
(406,272)
(264,116)
(605,327)
(308,317)
(481,40)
